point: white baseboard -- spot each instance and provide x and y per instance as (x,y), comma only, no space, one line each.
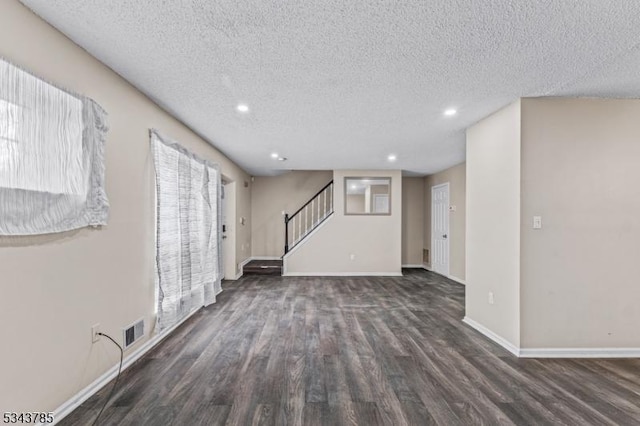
(241,273)
(74,402)
(493,336)
(451,277)
(249,259)
(425,267)
(343,274)
(458,280)
(554,352)
(580,353)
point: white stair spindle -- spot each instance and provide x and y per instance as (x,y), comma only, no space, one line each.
(324,204)
(331,200)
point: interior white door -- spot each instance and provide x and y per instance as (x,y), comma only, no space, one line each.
(440,229)
(228,231)
(381,203)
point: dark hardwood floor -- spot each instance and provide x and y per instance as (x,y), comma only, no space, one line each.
(361,351)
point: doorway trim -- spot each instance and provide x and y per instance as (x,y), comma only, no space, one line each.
(445,268)
(229,236)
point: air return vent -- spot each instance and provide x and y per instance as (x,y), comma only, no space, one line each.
(133,333)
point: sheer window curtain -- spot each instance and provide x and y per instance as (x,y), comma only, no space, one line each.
(188,233)
(51,157)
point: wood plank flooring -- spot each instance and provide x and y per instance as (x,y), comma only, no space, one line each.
(356,351)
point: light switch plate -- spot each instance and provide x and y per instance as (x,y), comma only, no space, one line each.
(537,222)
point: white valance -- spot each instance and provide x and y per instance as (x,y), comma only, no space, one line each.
(188,232)
(51,157)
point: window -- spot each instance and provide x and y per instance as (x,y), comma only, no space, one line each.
(8,117)
(188,231)
(367,196)
(8,112)
(41,139)
(51,157)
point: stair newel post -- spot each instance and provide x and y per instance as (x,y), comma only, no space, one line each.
(286,233)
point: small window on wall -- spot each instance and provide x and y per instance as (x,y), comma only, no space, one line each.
(367,196)
(7,122)
(41,142)
(51,157)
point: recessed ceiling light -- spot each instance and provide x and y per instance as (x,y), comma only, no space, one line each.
(450,112)
(392,157)
(242,108)
(274,155)
(282,158)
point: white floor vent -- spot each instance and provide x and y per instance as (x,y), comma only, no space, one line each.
(133,333)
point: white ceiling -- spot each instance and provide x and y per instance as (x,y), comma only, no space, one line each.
(334,84)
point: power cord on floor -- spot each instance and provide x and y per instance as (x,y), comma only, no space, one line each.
(95,422)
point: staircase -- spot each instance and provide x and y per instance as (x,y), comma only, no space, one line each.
(263,267)
(299,225)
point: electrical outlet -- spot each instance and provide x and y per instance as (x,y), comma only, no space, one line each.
(352,256)
(491,298)
(94,333)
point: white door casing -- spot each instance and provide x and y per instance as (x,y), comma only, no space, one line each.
(440,229)
(229,235)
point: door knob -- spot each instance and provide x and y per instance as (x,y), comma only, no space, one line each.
(444,236)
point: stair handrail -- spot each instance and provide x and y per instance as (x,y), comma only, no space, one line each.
(308,202)
(288,218)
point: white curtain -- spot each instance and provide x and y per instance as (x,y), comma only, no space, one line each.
(51,157)
(188,230)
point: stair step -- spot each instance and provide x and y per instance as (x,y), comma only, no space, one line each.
(263,267)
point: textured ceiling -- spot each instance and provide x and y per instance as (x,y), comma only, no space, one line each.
(335,84)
